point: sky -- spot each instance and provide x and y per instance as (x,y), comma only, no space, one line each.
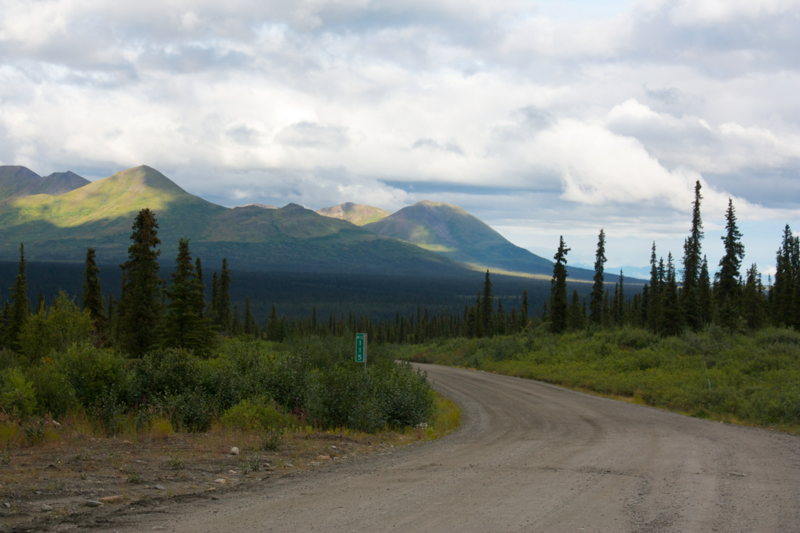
(541,118)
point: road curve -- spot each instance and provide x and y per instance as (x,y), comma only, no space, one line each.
(535,458)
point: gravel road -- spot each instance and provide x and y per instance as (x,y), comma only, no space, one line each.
(531,457)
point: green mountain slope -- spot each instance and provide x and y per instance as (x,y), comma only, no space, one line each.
(355,213)
(452,232)
(100,215)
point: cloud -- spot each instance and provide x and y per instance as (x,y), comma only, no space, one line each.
(311,135)
(585,119)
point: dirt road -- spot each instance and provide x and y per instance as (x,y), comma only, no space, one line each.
(531,457)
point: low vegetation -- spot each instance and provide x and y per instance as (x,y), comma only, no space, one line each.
(744,378)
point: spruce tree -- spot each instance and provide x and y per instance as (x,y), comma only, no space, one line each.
(92,300)
(183,326)
(598,288)
(672,322)
(20,308)
(198,270)
(783,289)
(577,314)
(754,301)
(140,303)
(730,290)
(250,326)
(690,291)
(621,314)
(222,306)
(487,309)
(523,317)
(558,290)
(705,296)
(500,319)
(654,306)
(40,302)
(274,332)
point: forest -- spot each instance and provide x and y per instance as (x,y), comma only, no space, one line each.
(182,348)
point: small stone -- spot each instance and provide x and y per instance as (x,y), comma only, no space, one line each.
(234,451)
(232,471)
(46,508)
(93,503)
(111,499)
(220,481)
(324,458)
(7,505)
(160,487)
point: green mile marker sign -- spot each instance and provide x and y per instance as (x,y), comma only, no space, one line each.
(361,348)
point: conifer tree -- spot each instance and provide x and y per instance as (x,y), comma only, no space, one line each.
(730,290)
(140,304)
(598,288)
(577,314)
(783,290)
(620,312)
(705,296)
(487,307)
(654,307)
(250,325)
(672,320)
(111,315)
(40,302)
(222,306)
(690,291)
(212,306)
(198,270)
(754,301)
(500,319)
(183,326)
(607,315)
(274,332)
(92,300)
(558,290)
(523,318)
(21,308)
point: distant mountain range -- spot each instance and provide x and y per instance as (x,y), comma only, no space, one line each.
(60,215)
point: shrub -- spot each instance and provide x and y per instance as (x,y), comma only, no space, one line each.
(60,327)
(93,373)
(17,395)
(256,414)
(53,390)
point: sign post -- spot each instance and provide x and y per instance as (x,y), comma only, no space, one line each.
(361,349)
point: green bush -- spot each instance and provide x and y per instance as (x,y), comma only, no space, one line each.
(55,330)
(93,373)
(53,389)
(258,414)
(17,396)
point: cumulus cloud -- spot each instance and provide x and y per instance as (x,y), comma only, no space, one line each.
(320,102)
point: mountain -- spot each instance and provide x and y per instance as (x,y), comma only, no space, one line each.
(355,213)
(17,181)
(451,231)
(100,215)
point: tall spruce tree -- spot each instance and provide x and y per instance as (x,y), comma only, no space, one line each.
(20,308)
(577,314)
(93,294)
(783,290)
(140,308)
(654,306)
(672,322)
(183,326)
(598,288)
(559,311)
(198,270)
(250,326)
(754,302)
(729,294)
(222,306)
(705,296)
(487,307)
(523,317)
(621,314)
(690,291)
